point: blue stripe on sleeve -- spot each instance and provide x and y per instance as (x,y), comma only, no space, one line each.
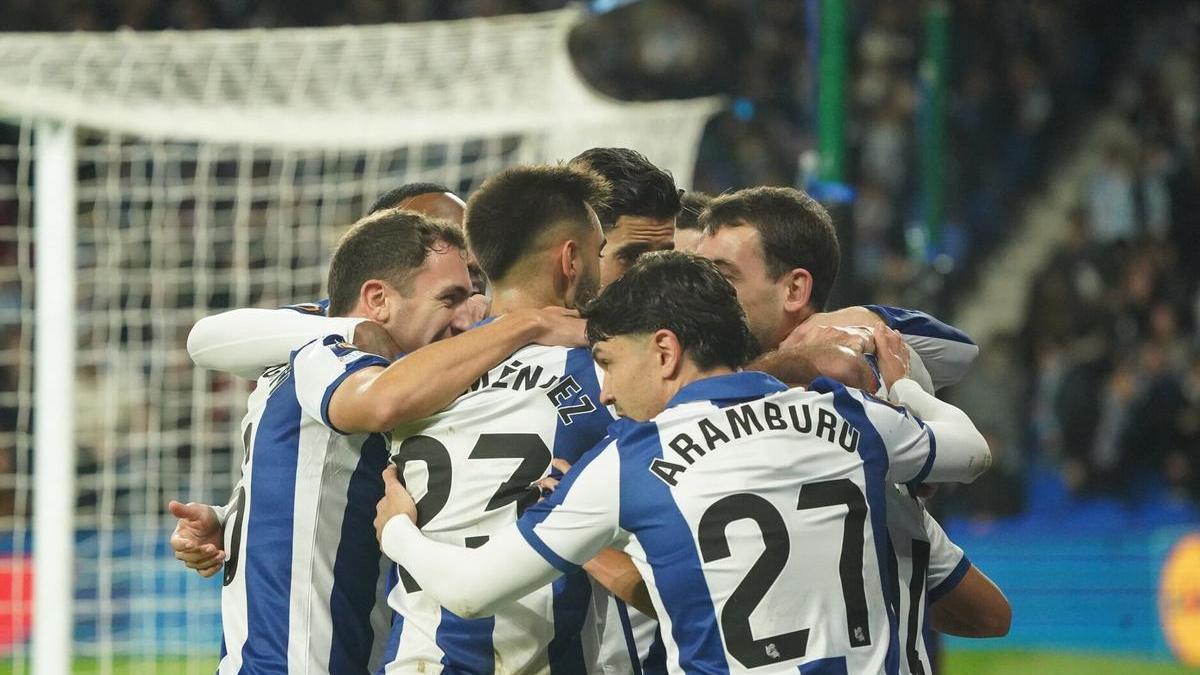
(269,531)
(875,465)
(924,473)
(367,361)
(537,513)
(913,322)
(949,583)
(535,542)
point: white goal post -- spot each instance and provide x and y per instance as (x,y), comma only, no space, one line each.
(149,179)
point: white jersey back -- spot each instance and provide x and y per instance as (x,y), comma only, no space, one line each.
(761,519)
(303,586)
(928,566)
(470,468)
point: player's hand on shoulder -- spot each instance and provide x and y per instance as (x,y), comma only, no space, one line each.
(198,537)
(373,338)
(892,356)
(396,502)
(559,327)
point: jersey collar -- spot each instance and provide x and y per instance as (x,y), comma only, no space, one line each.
(743,386)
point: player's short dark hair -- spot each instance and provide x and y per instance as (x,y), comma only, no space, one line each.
(389,245)
(796,232)
(638,187)
(682,293)
(396,196)
(691,205)
(508,213)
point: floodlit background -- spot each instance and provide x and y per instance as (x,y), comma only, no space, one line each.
(1027,170)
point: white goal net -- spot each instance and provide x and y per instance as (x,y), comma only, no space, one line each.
(213,170)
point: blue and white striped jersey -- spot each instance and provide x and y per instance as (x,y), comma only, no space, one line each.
(470,468)
(946,352)
(303,580)
(928,566)
(761,522)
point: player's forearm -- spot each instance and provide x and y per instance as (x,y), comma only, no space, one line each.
(615,571)
(962,453)
(426,381)
(800,365)
(453,576)
(976,608)
(244,342)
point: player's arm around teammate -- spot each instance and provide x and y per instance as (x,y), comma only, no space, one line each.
(379,399)
(585,504)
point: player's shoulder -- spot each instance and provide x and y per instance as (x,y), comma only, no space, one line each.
(332,344)
(318,308)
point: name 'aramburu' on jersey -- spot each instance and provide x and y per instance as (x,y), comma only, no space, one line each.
(736,422)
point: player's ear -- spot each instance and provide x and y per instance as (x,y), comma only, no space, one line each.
(668,351)
(373,298)
(799,289)
(568,260)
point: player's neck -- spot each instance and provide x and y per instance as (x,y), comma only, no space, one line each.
(507,299)
(689,373)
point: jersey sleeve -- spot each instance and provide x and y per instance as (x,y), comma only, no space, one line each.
(946,351)
(580,518)
(947,562)
(321,366)
(910,443)
(582,418)
(245,342)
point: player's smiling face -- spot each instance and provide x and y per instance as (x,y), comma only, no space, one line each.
(630,238)
(738,253)
(630,366)
(432,305)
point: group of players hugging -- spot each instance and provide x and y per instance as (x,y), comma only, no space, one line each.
(584,424)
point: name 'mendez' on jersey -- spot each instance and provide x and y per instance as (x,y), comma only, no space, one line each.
(469,468)
(761,522)
(303,579)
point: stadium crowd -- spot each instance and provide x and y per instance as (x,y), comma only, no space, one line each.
(1111,331)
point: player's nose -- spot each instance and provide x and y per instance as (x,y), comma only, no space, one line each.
(606,396)
(462,320)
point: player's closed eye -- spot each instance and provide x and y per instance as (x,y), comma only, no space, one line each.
(454,297)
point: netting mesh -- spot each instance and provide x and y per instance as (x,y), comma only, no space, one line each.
(177,222)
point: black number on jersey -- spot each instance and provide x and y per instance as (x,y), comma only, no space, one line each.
(916,596)
(850,566)
(735,616)
(529,448)
(235,543)
(437,464)
(239,512)
(534,456)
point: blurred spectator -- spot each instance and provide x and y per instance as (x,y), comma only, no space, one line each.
(1108,357)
